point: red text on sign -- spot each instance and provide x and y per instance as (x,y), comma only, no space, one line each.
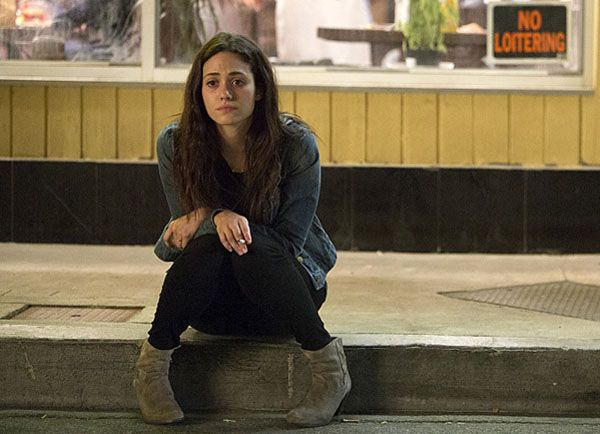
(530,20)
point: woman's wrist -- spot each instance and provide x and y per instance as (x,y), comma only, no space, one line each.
(214,213)
(200,213)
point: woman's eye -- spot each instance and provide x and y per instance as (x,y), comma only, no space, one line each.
(211,83)
(238,82)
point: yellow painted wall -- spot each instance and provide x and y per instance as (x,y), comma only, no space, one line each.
(64,122)
(28,121)
(423,128)
(5,121)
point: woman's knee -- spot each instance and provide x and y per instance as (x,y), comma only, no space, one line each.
(201,255)
(265,262)
(263,256)
(265,244)
(208,244)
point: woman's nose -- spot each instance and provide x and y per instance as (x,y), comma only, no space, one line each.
(225,93)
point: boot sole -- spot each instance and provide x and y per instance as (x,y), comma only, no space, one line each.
(335,414)
(155,421)
(340,407)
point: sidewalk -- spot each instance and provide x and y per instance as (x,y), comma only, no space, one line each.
(369,292)
(410,348)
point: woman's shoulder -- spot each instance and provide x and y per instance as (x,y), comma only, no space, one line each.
(293,125)
(299,145)
(298,136)
(164,141)
(167,132)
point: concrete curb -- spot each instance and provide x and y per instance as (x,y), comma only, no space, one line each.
(90,367)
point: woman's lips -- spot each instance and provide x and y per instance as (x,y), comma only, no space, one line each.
(226,109)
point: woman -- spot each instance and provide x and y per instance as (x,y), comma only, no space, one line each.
(250,255)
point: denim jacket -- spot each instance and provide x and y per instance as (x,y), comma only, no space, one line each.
(295,223)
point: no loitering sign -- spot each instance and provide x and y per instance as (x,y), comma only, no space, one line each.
(525,32)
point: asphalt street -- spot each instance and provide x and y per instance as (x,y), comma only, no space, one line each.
(55,422)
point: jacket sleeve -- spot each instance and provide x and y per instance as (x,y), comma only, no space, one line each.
(164,152)
(299,191)
(164,252)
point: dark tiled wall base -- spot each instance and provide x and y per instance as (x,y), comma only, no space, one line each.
(132,206)
(80,202)
(481,210)
(394,209)
(6,201)
(424,209)
(563,211)
(55,202)
(363,208)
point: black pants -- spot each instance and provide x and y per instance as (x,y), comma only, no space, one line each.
(265,292)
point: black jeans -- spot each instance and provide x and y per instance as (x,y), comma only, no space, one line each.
(265,292)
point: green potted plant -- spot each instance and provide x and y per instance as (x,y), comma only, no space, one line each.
(423,34)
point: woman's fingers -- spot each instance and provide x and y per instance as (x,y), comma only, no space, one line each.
(182,229)
(168,237)
(243,236)
(245,232)
(234,232)
(225,242)
(178,234)
(237,241)
(228,240)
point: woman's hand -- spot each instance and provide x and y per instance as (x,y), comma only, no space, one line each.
(182,229)
(234,231)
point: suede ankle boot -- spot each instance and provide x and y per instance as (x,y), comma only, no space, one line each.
(154,394)
(330,385)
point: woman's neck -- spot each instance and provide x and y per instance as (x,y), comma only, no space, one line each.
(233,148)
(233,137)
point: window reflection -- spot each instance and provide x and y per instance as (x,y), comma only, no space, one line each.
(341,33)
(186,24)
(74,30)
(286,30)
(352,34)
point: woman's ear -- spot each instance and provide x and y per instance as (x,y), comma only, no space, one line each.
(258,96)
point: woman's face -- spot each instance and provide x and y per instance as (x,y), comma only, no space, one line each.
(228,90)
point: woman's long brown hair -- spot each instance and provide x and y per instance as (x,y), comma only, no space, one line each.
(197,144)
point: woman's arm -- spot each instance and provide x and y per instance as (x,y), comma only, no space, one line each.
(299,196)
(181,230)
(164,154)
(299,192)
(182,227)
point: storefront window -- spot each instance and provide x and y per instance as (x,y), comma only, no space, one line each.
(71,30)
(286,30)
(370,44)
(186,24)
(375,34)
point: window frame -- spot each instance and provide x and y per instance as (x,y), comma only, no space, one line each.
(320,78)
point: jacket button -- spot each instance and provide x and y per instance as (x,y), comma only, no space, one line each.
(300,259)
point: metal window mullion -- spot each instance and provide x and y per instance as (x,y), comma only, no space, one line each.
(149,38)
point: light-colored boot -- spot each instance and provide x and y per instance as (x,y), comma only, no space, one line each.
(330,385)
(154,394)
